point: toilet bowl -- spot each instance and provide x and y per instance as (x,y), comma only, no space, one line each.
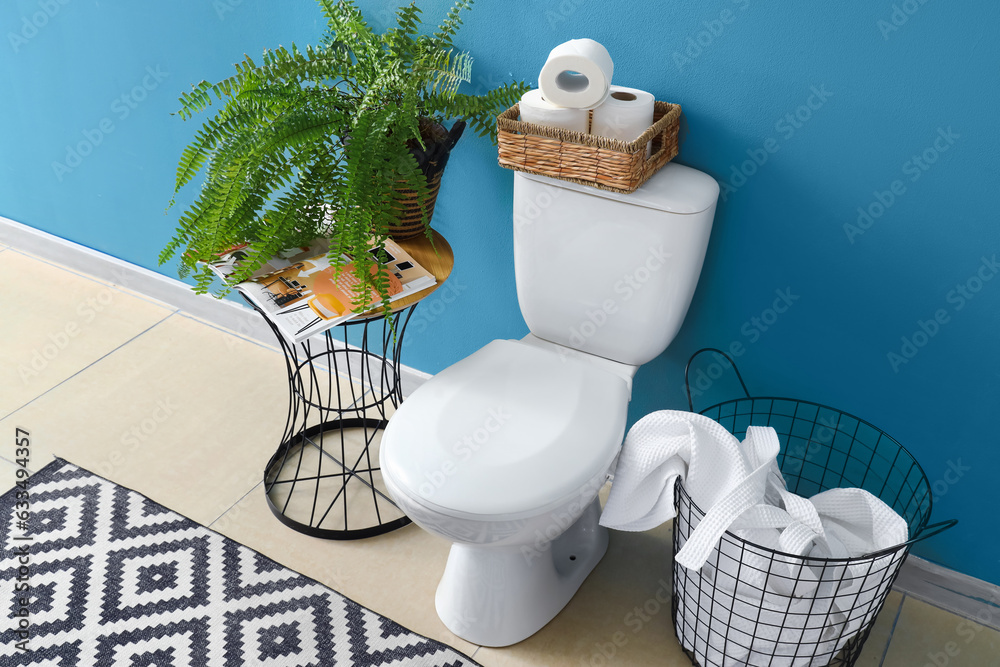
(510,474)
(504,452)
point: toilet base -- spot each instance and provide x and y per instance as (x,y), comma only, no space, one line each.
(497,596)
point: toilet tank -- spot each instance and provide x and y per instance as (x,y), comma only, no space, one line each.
(606,273)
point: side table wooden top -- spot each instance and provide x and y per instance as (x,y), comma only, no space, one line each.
(437,258)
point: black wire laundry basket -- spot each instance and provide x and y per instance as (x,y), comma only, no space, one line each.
(750,605)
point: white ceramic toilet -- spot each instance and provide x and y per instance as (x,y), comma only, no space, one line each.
(504,452)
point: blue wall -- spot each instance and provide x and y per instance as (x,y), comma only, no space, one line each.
(887,108)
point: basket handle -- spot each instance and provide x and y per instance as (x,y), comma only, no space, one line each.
(932,530)
(687,368)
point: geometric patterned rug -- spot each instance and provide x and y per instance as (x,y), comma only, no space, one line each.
(109,577)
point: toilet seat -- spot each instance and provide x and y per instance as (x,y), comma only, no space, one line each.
(506,432)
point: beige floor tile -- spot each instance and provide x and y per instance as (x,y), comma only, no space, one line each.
(926,635)
(878,639)
(186,414)
(394,574)
(8,471)
(121,280)
(54,323)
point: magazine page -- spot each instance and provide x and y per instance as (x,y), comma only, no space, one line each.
(230,258)
(304,295)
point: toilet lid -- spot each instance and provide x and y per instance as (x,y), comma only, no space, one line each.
(510,429)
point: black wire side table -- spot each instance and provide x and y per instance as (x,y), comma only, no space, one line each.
(324,479)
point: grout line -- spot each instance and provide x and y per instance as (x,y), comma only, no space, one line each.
(260,483)
(892,630)
(234,334)
(273,347)
(92,363)
(230,509)
(356,405)
(31,469)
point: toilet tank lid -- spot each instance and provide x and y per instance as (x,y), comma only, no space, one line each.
(674,189)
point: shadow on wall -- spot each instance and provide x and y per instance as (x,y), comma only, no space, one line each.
(728,311)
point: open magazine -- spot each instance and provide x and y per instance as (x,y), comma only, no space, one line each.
(304,295)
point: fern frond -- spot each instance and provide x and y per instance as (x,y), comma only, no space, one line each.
(480,111)
(324,140)
(446,32)
(445,71)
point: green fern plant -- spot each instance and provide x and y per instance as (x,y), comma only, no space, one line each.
(325,141)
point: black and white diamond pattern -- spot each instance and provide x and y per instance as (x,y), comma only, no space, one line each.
(118,580)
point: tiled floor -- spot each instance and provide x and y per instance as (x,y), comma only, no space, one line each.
(188,414)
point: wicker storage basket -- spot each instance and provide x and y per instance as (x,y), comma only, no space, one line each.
(608,164)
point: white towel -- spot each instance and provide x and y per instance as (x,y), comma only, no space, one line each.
(755,607)
(659,448)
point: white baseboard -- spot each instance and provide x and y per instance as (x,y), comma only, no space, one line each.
(959,593)
(239,319)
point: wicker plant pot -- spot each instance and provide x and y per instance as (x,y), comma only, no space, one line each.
(432,158)
(411,211)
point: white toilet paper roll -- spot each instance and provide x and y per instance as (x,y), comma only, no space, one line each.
(577,74)
(536,109)
(626,114)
